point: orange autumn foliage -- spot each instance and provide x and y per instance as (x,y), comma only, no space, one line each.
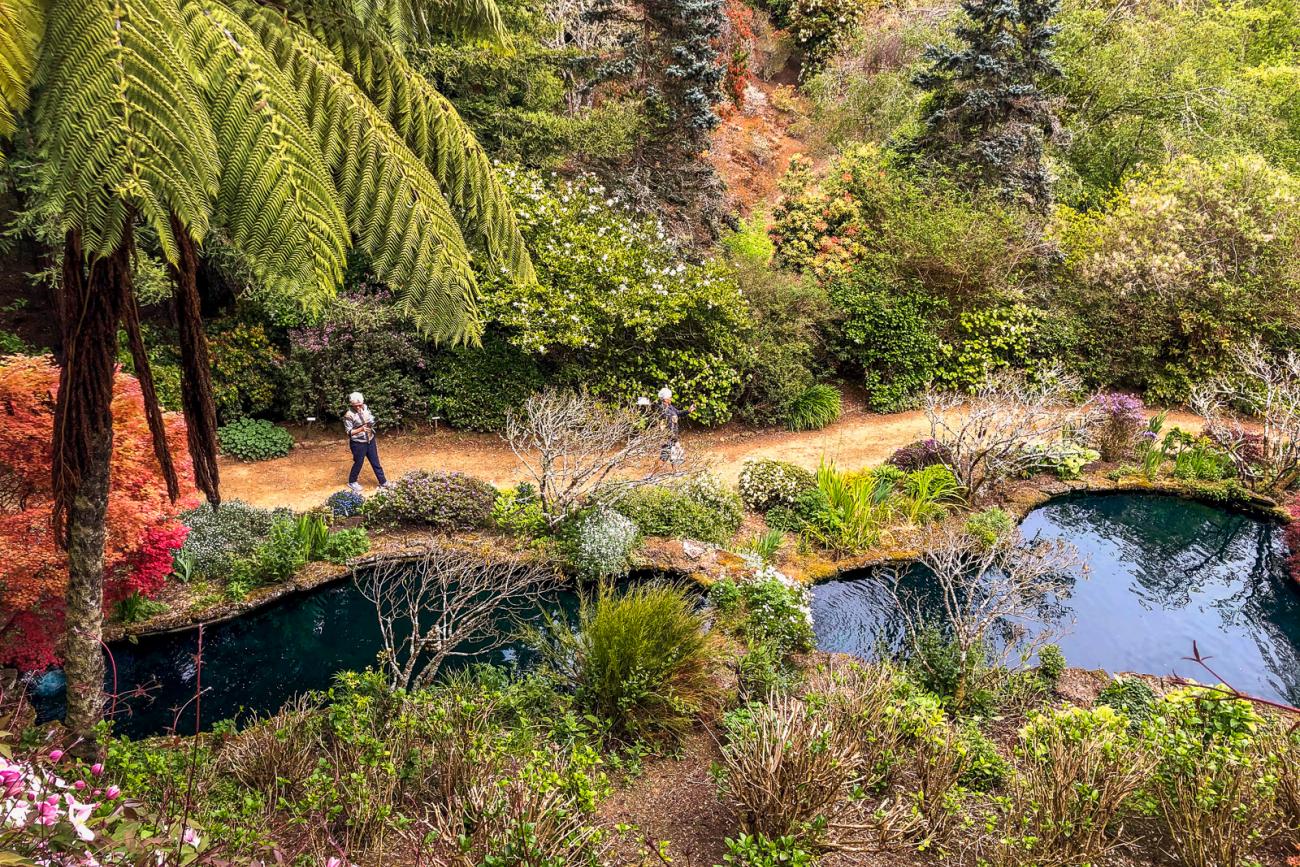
(33,570)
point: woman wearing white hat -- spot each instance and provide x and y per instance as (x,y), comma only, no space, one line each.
(360,425)
(672,450)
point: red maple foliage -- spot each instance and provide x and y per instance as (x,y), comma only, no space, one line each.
(143,528)
(1291,536)
(737,45)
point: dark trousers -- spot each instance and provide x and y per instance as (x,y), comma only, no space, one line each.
(360,452)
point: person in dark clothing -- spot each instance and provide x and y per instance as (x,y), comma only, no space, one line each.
(672,451)
(360,426)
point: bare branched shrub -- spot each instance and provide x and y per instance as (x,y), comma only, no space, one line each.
(1283,740)
(448,602)
(1079,769)
(860,700)
(990,596)
(984,434)
(1266,388)
(792,772)
(580,452)
(276,755)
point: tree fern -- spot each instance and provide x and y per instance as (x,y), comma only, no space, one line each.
(122,121)
(395,208)
(21,23)
(277,201)
(434,130)
(413,20)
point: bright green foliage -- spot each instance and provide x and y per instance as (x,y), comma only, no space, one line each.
(1187,263)
(245,369)
(696,509)
(984,341)
(989,525)
(640,660)
(1131,697)
(21,26)
(889,337)
(1066,459)
(849,509)
(345,545)
(1051,663)
(254,440)
(766,483)
(766,611)
(615,306)
(985,768)
(517,510)
(1165,77)
(820,26)
(817,407)
(759,851)
(928,493)
(474,388)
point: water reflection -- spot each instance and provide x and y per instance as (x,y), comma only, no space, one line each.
(1163,572)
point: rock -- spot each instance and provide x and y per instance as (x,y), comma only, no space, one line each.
(694,550)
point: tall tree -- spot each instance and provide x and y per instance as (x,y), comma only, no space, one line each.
(296,130)
(985,116)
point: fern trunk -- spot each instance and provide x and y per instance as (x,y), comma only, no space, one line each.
(92,303)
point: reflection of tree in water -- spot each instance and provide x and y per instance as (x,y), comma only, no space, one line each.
(1173,556)
(1176,548)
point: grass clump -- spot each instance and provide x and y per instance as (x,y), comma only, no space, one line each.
(640,660)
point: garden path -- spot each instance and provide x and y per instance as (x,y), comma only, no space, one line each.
(318,466)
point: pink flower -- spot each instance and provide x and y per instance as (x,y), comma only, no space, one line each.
(79,785)
(190,837)
(55,755)
(112,793)
(11,782)
(97,769)
(47,813)
(78,813)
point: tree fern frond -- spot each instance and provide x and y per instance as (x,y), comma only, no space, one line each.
(277,200)
(434,130)
(395,209)
(122,122)
(404,21)
(21,25)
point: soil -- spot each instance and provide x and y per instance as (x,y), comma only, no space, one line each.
(319,463)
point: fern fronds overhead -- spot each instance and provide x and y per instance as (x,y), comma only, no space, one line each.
(413,20)
(434,130)
(21,23)
(394,206)
(122,121)
(277,200)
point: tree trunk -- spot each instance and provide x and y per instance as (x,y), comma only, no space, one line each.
(196,377)
(91,306)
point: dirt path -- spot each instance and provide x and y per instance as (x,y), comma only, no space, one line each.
(319,465)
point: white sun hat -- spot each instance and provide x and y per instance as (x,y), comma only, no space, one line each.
(665,393)
(355,397)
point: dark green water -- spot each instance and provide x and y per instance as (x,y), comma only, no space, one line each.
(251,665)
(1164,572)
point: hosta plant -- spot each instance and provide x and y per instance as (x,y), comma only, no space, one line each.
(254,440)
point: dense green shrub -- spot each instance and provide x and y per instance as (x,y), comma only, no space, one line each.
(639,660)
(985,768)
(889,337)
(360,344)
(517,510)
(815,408)
(222,534)
(254,440)
(1131,697)
(699,508)
(766,483)
(443,501)
(1051,663)
(345,545)
(616,307)
(767,611)
(473,388)
(1065,459)
(1191,259)
(989,525)
(819,26)
(759,851)
(1215,785)
(245,369)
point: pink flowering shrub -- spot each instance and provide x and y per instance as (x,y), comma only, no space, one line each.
(51,822)
(1291,535)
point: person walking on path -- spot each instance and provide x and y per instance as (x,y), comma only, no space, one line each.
(672,451)
(360,425)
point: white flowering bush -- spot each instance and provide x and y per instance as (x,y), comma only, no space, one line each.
(819,27)
(616,304)
(767,483)
(769,608)
(230,532)
(605,542)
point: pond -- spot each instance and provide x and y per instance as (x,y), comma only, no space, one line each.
(251,664)
(1164,572)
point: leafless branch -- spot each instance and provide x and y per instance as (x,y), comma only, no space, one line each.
(985,590)
(580,452)
(448,602)
(985,433)
(1266,388)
